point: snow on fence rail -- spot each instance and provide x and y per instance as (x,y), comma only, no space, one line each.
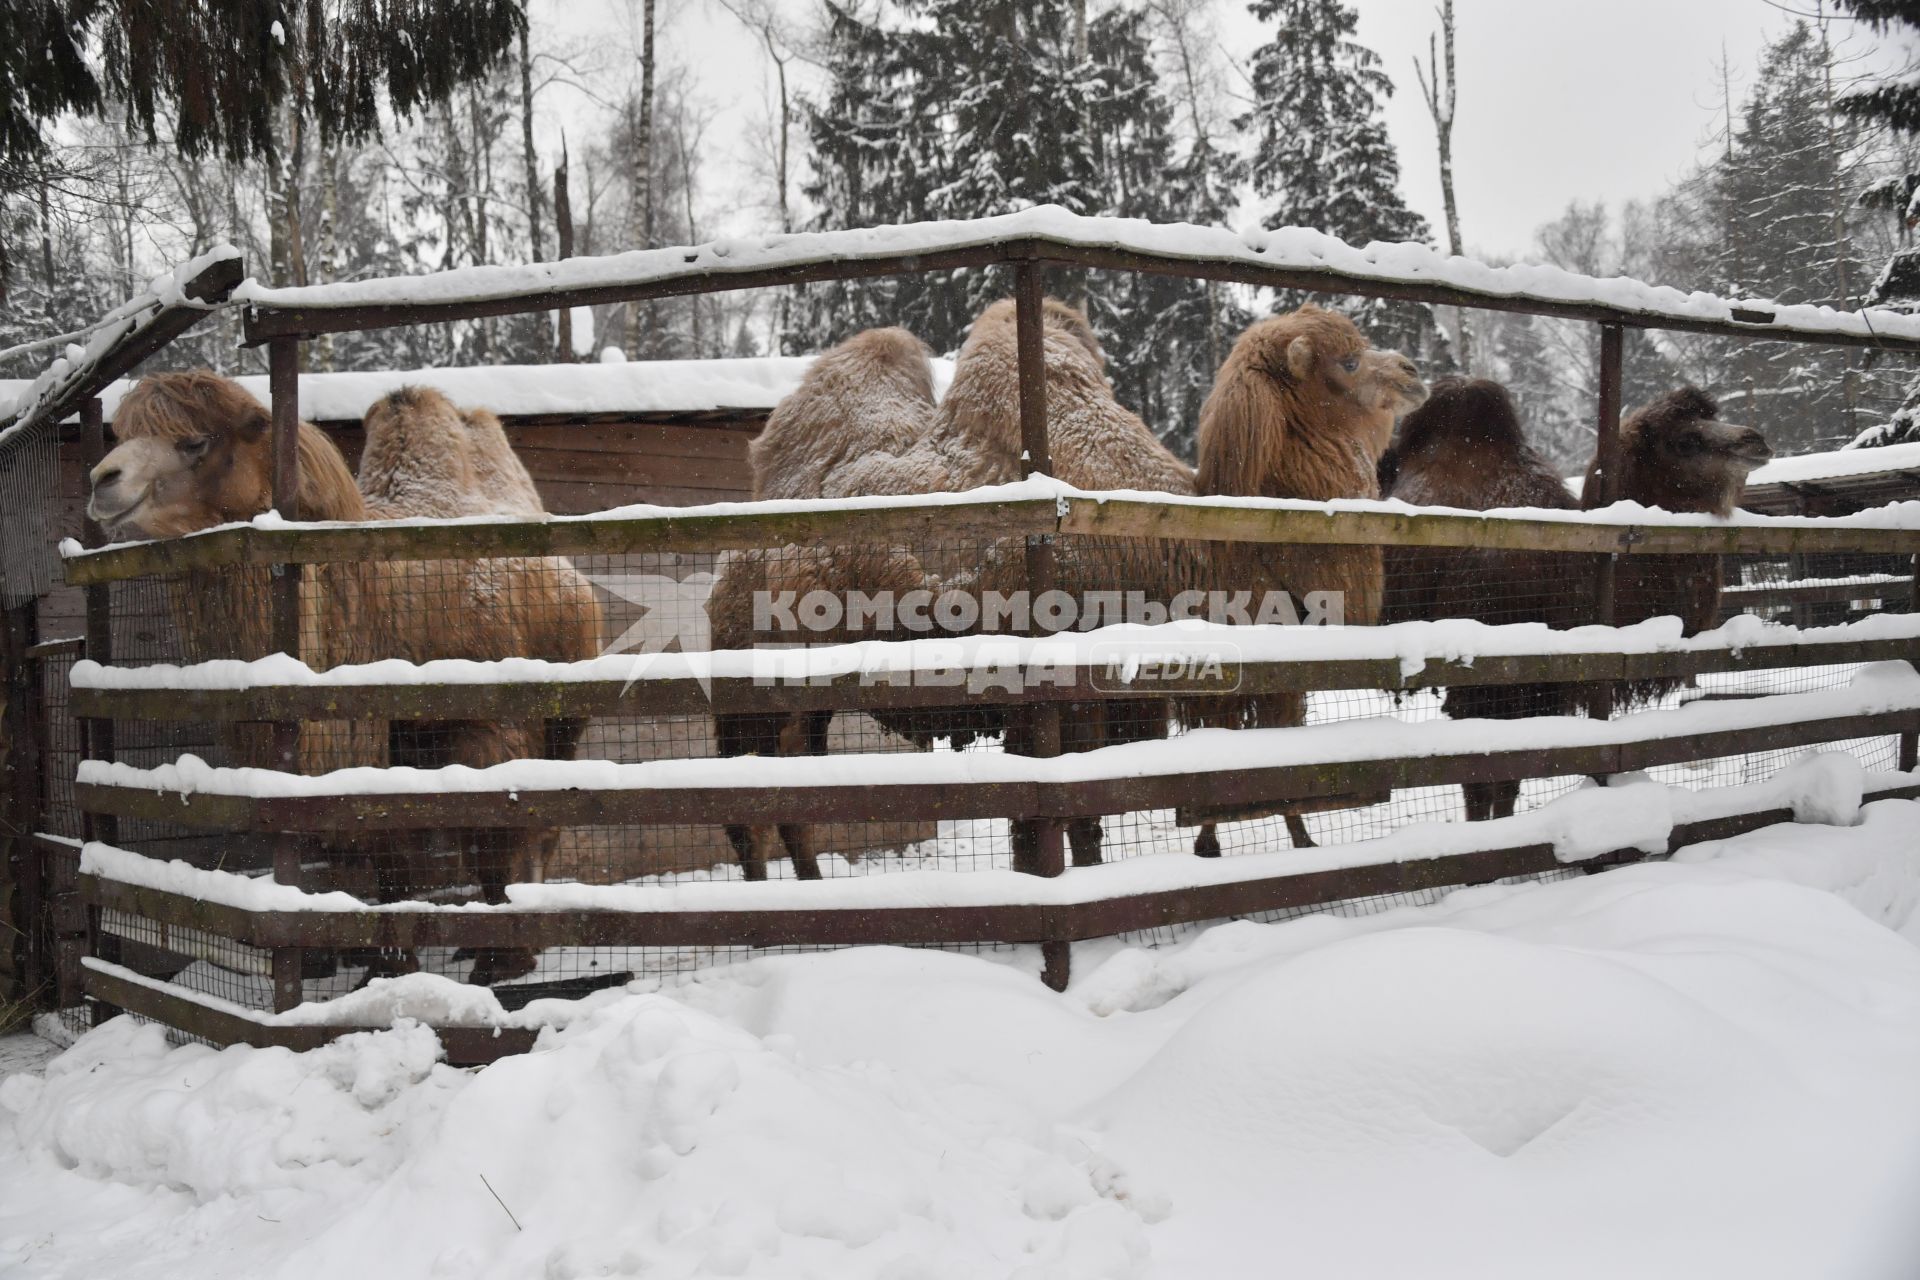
(1598,827)
(980,670)
(1032,507)
(1291,257)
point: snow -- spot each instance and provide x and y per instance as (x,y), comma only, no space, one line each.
(1633,812)
(1838,464)
(1623,516)
(1877,688)
(1296,248)
(1699,1068)
(988,659)
(22,400)
(748,384)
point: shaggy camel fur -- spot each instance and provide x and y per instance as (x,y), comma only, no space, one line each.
(845,429)
(1676,454)
(194,451)
(863,422)
(1094,442)
(1465,448)
(1302,408)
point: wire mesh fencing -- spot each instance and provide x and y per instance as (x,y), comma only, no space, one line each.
(796,605)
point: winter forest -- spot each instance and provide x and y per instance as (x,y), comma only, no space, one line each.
(870,113)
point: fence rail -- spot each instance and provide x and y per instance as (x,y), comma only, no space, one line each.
(639,691)
(1063,511)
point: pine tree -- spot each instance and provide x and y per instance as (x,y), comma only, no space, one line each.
(1322,156)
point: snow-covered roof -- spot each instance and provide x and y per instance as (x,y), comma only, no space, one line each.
(753,385)
(1813,467)
(1314,259)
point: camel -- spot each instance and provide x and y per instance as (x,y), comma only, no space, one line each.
(1303,408)
(863,421)
(1466,449)
(193,451)
(861,407)
(1676,454)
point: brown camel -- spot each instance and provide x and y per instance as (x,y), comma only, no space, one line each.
(194,452)
(1465,448)
(1302,408)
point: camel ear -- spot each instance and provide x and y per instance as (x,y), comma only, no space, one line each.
(1300,357)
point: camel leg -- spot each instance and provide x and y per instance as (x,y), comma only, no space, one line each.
(1083,834)
(1206,844)
(747,851)
(1297,832)
(493,852)
(803,735)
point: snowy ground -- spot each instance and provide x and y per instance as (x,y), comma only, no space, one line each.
(1692,1069)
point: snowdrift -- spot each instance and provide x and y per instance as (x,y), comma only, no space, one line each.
(1690,1069)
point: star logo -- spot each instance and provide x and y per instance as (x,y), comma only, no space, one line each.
(673,611)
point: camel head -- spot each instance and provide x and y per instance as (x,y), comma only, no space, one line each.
(1298,384)
(195,451)
(1677,454)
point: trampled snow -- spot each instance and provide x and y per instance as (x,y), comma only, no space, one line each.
(1692,1069)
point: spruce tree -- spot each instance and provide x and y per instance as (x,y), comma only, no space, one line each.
(1322,157)
(1168,334)
(876,159)
(1782,195)
(1894,101)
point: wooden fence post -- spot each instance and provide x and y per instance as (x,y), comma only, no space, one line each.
(98,733)
(1039,843)
(1606,480)
(283,373)
(1910,741)
(24,931)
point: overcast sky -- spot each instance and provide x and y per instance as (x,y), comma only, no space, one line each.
(1559,99)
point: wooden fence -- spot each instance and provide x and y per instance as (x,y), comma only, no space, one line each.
(1037,514)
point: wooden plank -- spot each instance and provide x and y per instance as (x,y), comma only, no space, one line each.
(464,1046)
(211,286)
(905,523)
(889,802)
(642,696)
(1737,600)
(1147,518)
(666,441)
(267,321)
(850,926)
(946,523)
(638,469)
